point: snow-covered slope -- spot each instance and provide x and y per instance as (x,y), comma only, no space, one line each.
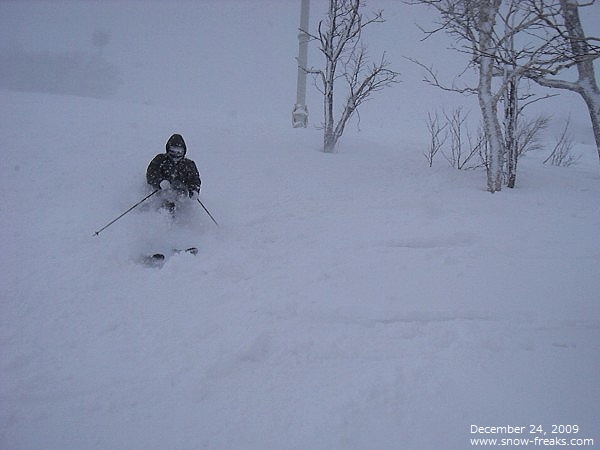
(359,300)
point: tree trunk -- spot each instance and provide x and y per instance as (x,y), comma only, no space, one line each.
(510,130)
(488,102)
(586,85)
(588,88)
(511,99)
(592,100)
(329,139)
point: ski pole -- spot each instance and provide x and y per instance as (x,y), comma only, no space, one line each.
(207,212)
(138,203)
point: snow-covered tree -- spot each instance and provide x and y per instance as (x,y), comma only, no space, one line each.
(473,23)
(339,40)
(568,46)
(506,40)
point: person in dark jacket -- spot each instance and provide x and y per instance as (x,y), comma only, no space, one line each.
(173,171)
(172,167)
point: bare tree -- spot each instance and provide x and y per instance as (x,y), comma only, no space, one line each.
(561,154)
(568,47)
(463,148)
(506,40)
(473,25)
(339,38)
(528,134)
(438,137)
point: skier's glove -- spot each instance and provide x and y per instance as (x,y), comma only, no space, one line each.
(194,194)
(164,184)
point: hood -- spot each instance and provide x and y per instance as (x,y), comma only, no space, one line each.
(176,141)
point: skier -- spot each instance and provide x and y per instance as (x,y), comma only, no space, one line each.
(174,174)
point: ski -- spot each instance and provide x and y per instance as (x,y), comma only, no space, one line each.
(159,259)
(190,250)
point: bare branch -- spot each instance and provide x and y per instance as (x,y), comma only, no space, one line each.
(431,78)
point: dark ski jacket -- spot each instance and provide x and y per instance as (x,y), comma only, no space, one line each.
(178,173)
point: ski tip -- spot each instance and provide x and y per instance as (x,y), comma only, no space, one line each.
(190,250)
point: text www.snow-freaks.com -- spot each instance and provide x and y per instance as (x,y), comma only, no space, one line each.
(537,441)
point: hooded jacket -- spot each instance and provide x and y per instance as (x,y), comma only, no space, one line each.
(182,173)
